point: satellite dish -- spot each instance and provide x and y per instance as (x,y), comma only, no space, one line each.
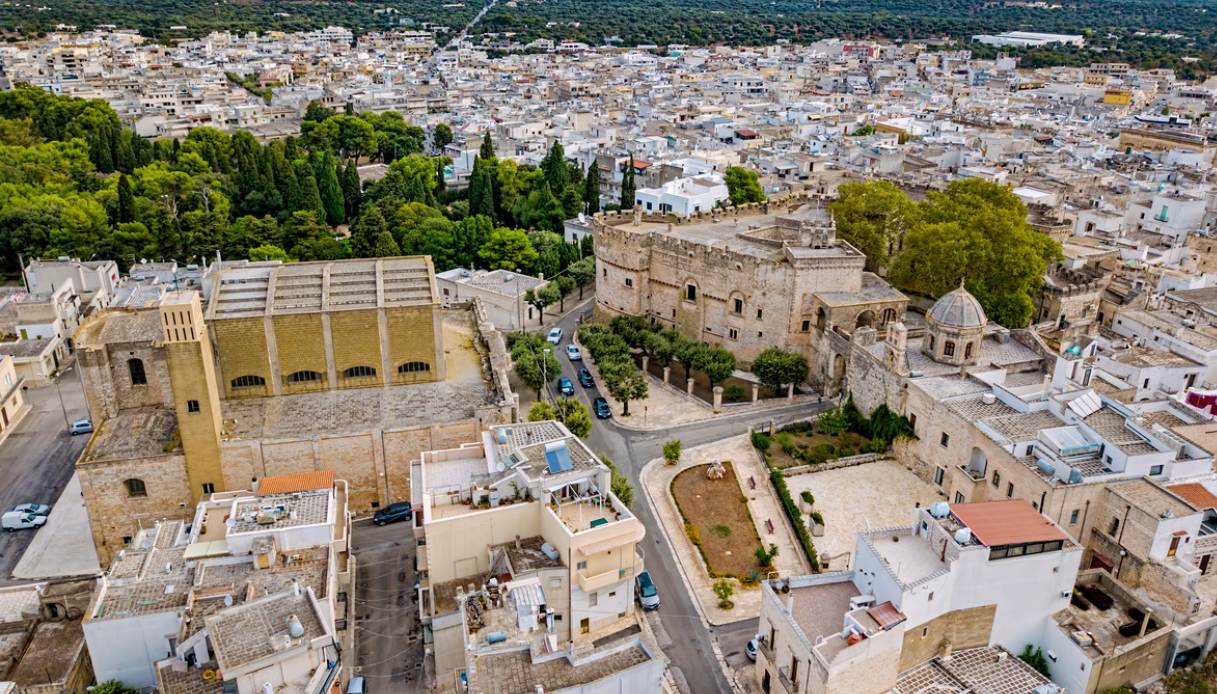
(227,601)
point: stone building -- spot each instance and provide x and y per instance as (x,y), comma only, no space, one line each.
(757,276)
(351,366)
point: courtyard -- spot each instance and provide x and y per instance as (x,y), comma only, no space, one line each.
(860,497)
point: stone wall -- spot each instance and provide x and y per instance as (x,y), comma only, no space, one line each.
(958,629)
(242,350)
(114,515)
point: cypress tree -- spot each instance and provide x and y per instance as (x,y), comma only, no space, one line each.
(487,151)
(330,190)
(554,167)
(481,192)
(309,196)
(627,186)
(440,186)
(352,190)
(591,189)
(126,200)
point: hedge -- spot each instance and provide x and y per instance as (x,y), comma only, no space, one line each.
(792,512)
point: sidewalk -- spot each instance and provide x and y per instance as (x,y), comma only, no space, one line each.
(64,546)
(656,479)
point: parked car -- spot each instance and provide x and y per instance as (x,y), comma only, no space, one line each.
(357,685)
(573,353)
(400,511)
(555,335)
(565,387)
(36,509)
(81,426)
(750,649)
(601,408)
(648,594)
(14,520)
(585,378)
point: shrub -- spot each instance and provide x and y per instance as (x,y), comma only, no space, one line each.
(693,533)
(672,451)
(733,393)
(723,531)
(764,556)
(1035,659)
(807,498)
(817,518)
(760,441)
(786,440)
(753,578)
(804,427)
(619,483)
(724,590)
(795,517)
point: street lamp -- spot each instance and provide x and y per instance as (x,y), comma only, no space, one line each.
(59,393)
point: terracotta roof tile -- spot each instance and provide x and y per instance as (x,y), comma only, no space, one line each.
(1008,522)
(1195,494)
(299,482)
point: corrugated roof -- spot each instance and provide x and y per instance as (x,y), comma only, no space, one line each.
(1008,522)
(299,482)
(1195,494)
(886,615)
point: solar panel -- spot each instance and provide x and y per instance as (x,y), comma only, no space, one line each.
(557,457)
(1086,404)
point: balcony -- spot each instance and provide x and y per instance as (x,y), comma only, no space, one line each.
(590,583)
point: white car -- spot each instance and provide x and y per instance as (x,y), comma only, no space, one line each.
(573,353)
(555,335)
(13,520)
(36,509)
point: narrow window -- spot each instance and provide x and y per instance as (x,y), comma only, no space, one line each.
(738,306)
(944,440)
(192,405)
(209,488)
(948,348)
(136,367)
(691,292)
(135,487)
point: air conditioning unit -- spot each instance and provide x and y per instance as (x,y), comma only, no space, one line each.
(859,601)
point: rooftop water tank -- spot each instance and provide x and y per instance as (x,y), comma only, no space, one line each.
(294,628)
(1044,466)
(1075,476)
(549,551)
(496,637)
(500,435)
(940,509)
(963,536)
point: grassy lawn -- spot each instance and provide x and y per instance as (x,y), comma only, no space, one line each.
(786,445)
(716,517)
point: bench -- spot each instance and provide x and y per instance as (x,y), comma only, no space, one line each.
(769,525)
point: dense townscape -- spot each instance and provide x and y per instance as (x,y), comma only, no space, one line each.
(530,346)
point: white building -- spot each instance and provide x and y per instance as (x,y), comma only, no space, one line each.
(245,595)
(684,196)
(1030,38)
(500,292)
(93,280)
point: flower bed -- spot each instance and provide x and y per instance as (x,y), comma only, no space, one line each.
(717,521)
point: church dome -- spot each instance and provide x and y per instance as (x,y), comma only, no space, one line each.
(958,309)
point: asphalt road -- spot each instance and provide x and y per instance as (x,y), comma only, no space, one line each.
(388,634)
(691,654)
(37,460)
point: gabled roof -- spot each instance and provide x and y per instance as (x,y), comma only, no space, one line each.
(1195,494)
(299,482)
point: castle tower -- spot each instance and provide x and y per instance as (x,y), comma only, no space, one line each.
(196,396)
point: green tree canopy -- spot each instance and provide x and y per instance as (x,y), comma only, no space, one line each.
(874,217)
(742,185)
(777,368)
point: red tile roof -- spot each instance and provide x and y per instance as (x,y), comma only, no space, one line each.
(1008,522)
(299,482)
(886,615)
(1195,494)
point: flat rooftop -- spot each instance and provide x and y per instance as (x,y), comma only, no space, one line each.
(1104,629)
(906,554)
(244,634)
(820,609)
(283,511)
(991,670)
(252,291)
(515,673)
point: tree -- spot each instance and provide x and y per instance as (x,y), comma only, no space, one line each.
(540,210)
(658,347)
(487,149)
(481,188)
(554,167)
(672,451)
(385,247)
(534,360)
(111,687)
(977,232)
(441,136)
(541,297)
(435,237)
(687,352)
(627,186)
(776,367)
(352,189)
(366,231)
(716,363)
(268,252)
(566,285)
(126,200)
(625,383)
(723,590)
(574,415)
(874,217)
(591,190)
(330,190)
(620,484)
(508,249)
(742,185)
(542,411)
(582,272)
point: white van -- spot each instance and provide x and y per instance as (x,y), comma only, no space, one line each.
(16,520)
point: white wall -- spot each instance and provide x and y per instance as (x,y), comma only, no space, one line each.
(127,649)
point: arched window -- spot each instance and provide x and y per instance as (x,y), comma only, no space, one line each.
(889,315)
(136,367)
(948,348)
(135,487)
(412,367)
(359,371)
(248,381)
(967,350)
(303,377)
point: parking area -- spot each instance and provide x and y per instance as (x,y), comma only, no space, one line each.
(872,495)
(38,459)
(388,634)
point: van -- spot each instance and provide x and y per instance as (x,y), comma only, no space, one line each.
(648,595)
(16,520)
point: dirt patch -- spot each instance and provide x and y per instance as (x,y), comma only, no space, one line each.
(716,519)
